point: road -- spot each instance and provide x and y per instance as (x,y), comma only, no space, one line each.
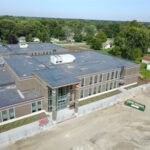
(115,128)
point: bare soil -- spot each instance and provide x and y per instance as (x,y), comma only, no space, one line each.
(115,128)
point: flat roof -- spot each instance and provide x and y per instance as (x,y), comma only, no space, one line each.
(11,96)
(33,47)
(3,49)
(5,78)
(56,77)
(87,62)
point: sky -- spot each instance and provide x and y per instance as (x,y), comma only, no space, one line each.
(118,10)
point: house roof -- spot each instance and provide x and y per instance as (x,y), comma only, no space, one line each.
(147,58)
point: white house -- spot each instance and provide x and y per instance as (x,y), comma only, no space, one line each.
(106,46)
(35,39)
(146,59)
(53,40)
(148,67)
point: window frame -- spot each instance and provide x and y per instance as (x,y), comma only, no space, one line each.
(13,112)
(32,107)
(82,82)
(82,91)
(101,78)
(90,80)
(2,115)
(38,105)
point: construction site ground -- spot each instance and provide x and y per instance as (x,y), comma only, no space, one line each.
(117,127)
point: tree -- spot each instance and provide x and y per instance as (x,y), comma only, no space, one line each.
(102,36)
(132,42)
(88,39)
(116,51)
(96,43)
(29,38)
(78,37)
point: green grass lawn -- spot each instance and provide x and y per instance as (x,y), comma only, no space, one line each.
(65,42)
(97,98)
(144,72)
(106,51)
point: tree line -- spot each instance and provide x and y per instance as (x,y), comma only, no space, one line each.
(131,39)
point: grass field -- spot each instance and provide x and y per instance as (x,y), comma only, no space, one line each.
(144,72)
(65,42)
(106,51)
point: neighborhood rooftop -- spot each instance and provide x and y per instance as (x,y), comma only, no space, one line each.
(32,47)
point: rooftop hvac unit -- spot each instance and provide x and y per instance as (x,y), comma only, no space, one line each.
(61,59)
(23,45)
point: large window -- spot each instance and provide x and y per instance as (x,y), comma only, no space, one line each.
(101,78)
(81,94)
(39,105)
(94,90)
(106,86)
(99,89)
(70,96)
(90,81)
(116,75)
(90,91)
(11,113)
(96,79)
(110,86)
(108,76)
(115,84)
(4,115)
(112,75)
(33,107)
(82,82)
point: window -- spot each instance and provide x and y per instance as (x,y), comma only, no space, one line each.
(90,82)
(106,86)
(110,86)
(99,89)
(82,82)
(33,107)
(70,96)
(39,105)
(115,84)
(96,79)
(112,75)
(116,74)
(101,78)
(11,113)
(108,76)
(81,94)
(94,90)
(90,91)
(4,115)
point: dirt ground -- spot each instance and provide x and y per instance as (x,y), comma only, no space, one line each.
(116,128)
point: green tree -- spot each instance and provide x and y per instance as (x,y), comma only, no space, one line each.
(102,36)
(29,38)
(96,43)
(78,37)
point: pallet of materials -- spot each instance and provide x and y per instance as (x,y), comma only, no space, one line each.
(134,104)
